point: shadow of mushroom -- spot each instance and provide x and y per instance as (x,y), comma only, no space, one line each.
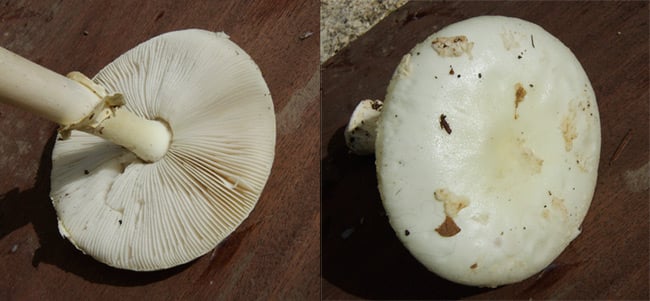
(18,208)
(34,206)
(360,251)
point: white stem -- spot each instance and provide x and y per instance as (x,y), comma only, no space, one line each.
(43,92)
(148,139)
(361,131)
(79,104)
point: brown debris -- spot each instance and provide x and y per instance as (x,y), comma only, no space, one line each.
(376,105)
(520,93)
(452,46)
(626,139)
(448,228)
(452,203)
(444,125)
(474,266)
(569,132)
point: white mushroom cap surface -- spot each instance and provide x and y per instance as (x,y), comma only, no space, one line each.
(148,216)
(486,172)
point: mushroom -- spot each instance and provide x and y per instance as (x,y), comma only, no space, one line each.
(172,157)
(487,150)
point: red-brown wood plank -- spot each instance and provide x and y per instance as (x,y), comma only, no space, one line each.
(275,252)
(609,260)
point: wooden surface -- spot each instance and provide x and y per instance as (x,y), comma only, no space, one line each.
(362,258)
(274,254)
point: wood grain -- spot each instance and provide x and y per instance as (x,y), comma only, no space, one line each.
(274,254)
(362,258)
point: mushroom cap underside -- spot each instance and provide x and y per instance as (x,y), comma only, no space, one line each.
(487,150)
(148,216)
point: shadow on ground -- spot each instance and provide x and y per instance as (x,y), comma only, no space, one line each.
(361,254)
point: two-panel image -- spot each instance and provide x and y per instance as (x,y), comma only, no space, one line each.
(324,150)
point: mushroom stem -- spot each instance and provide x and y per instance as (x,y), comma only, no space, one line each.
(77,103)
(361,130)
(148,139)
(43,92)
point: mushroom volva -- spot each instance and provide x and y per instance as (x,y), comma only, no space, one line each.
(487,150)
(162,155)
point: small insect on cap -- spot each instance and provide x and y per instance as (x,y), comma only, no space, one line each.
(487,150)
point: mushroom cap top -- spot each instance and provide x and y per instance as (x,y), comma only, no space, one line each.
(148,216)
(487,150)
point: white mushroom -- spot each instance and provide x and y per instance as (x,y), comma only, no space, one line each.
(487,150)
(195,185)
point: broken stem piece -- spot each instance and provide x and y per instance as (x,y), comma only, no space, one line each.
(361,131)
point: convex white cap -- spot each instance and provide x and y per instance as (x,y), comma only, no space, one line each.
(487,150)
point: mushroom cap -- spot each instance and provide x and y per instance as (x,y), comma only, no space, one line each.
(486,172)
(148,216)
